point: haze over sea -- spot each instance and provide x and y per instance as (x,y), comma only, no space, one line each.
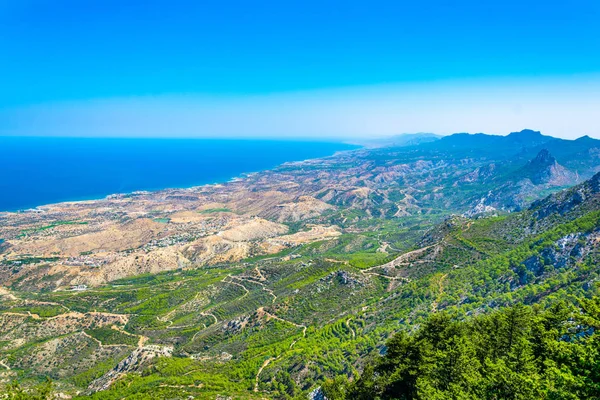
(38,171)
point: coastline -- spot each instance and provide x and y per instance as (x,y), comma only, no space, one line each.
(149,191)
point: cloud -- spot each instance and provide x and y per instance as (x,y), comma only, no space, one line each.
(559,106)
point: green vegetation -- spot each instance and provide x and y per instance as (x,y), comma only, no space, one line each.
(517,353)
(30,260)
(42,391)
(109,336)
(214,210)
(43,310)
(26,232)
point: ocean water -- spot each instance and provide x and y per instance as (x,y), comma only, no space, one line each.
(38,171)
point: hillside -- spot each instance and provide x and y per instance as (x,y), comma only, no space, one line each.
(287,282)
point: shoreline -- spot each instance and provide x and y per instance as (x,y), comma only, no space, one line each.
(239,177)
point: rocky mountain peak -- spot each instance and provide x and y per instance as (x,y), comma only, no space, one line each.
(543,159)
(544,169)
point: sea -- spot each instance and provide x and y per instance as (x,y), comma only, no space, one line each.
(35,171)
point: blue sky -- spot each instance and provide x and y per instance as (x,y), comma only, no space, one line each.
(298,68)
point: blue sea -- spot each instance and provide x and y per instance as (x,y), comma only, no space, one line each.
(38,171)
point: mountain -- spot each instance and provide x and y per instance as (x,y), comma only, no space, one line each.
(521,145)
(302,279)
(510,144)
(405,139)
(544,169)
(527,138)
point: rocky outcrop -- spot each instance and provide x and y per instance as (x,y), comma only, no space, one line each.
(132,363)
(479,174)
(344,278)
(544,169)
(480,209)
(564,253)
(317,394)
(587,193)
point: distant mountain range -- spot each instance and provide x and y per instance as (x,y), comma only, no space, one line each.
(402,140)
(526,144)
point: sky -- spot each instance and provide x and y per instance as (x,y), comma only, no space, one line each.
(318,69)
